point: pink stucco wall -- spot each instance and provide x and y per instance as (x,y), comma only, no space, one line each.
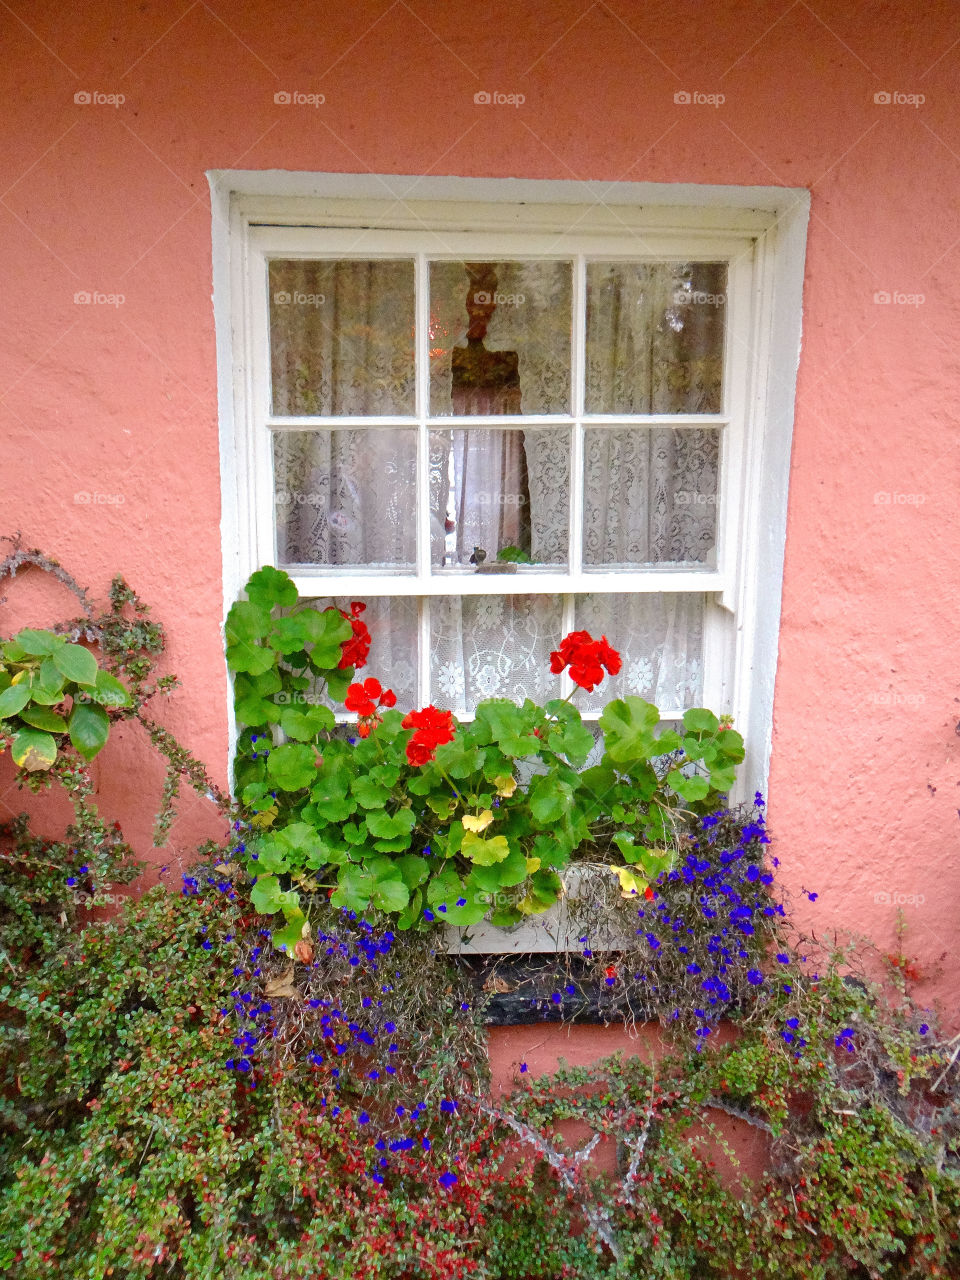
(120,400)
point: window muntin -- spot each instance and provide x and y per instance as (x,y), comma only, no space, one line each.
(676,525)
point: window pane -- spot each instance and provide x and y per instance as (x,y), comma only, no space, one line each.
(655,337)
(346,497)
(498,490)
(500,337)
(342,337)
(659,638)
(392,624)
(650,496)
(492,647)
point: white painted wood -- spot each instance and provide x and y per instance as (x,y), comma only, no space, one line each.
(455,582)
(760,230)
(558,930)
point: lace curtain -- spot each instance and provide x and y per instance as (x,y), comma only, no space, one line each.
(342,343)
(499,646)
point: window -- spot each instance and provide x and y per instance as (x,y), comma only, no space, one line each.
(496,423)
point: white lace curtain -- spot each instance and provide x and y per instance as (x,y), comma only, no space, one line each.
(342,343)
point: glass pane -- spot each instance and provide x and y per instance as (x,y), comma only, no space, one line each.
(342,337)
(392,623)
(660,640)
(492,647)
(655,337)
(650,496)
(346,497)
(500,492)
(500,337)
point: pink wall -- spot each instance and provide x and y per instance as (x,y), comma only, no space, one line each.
(121,400)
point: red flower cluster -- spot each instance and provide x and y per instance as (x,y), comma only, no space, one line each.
(355,650)
(366,699)
(586,659)
(433,728)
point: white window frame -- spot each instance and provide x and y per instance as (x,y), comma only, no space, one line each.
(257,216)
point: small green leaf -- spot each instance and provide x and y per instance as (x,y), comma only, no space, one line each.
(690,788)
(246,621)
(387,826)
(369,794)
(390,893)
(14,699)
(628,725)
(44,718)
(700,719)
(269,587)
(110,692)
(76,663)
(89,728)
(38,642)
(46,684)
(414,869)
(292,766)
(267,896)
(252,658)
(286,939)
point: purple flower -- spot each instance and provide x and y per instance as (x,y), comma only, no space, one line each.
(754,977)
(448,1179)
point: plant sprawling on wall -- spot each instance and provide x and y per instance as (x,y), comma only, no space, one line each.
(180,1097)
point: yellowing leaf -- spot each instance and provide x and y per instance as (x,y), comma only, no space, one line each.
(630,883)
(533,864)
(32,750)
(532,906)
(477,822)
(266,819)
(484,852)
(506,785)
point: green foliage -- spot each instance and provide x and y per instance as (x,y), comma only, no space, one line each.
(493,818)
(127,1146)
(52,691)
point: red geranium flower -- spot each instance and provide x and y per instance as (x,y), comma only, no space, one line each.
(355,650)
(586,659)
(432,728)
(361,699)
